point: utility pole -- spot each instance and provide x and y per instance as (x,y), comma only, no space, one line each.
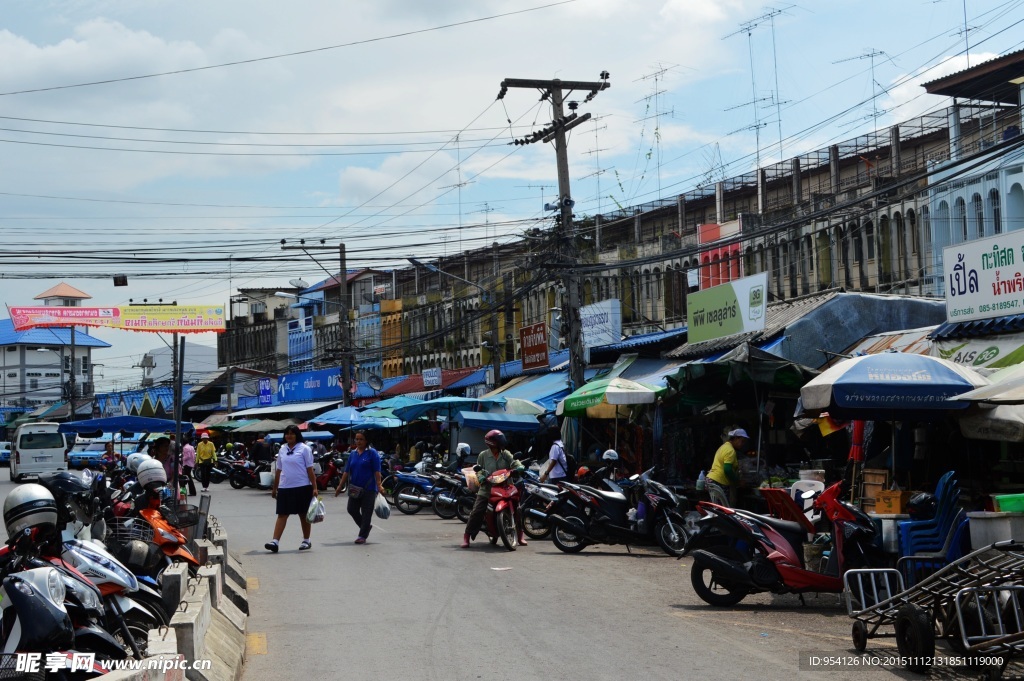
(557,90)
(71,383)
(346,357)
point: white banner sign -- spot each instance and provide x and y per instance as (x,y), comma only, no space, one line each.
(728,309)
(993,352)
(432,378)
(601,323)
(983,278)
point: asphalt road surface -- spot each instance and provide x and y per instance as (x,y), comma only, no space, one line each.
(410,605)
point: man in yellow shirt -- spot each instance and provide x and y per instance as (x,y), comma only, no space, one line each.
(206,456)
(725,469)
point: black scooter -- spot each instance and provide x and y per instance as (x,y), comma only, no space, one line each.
(650,516)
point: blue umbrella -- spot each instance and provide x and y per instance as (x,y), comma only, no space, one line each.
(342,416)
(127,424)
(447,405)
(890,385)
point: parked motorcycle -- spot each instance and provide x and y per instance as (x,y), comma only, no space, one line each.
(332,465)
(247,474)
(737,552)
(536,497)
(584,515)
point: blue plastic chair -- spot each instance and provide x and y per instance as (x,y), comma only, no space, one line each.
(916,567)
(922,536)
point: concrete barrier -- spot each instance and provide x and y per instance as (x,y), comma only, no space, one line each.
(172,586)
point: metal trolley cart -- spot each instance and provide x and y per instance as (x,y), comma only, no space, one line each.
(975,603)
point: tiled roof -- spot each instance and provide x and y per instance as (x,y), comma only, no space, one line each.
(63,290)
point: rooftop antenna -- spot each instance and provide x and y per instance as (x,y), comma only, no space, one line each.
(870,53)
(487,210)
(658,77)
(458,185)
(748,28)
(596,153)
(541,187)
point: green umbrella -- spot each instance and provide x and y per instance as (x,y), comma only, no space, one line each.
(601,399)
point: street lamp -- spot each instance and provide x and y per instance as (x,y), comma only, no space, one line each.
(494,344)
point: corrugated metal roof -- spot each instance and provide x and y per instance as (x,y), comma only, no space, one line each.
(50,336)
(414,383)
(979,327)
(778,316)
(644,339)
(914,341)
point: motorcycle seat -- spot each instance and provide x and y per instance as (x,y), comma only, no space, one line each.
(784,526)
(612,496)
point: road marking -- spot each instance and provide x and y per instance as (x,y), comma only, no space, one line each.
(256,644)
(252,583)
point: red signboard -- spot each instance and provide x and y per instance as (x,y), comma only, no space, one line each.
(533,346)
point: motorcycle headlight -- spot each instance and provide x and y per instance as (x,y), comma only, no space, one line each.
(85,594)
(56,586)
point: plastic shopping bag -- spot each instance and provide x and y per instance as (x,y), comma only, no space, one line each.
(381,507)
(317,511)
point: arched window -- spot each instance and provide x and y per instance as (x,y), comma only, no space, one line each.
(656,294)
(1015,208)
(869,237)
(716,271)
(858,246)
(978,216)
(960,217)
(994,212)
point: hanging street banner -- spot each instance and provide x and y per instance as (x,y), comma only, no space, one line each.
(164,318)
(533,346)
(728,309)
(983,278)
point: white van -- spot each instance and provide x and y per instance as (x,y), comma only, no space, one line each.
(38,448)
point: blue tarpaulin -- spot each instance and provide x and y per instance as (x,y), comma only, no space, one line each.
(126,424)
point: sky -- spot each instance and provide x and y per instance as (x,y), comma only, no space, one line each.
(376,122)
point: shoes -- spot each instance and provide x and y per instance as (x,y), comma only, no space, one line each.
(522,539)
(465,541)
(271,546)
(360,540)
(305,545)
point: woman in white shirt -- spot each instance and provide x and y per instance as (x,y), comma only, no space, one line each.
(294,486)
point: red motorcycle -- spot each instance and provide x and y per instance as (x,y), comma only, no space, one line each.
(737,552)
(332,465)
(500,520)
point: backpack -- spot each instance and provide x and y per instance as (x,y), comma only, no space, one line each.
(568,462)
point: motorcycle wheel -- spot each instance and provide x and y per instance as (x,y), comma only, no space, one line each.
(672,545)
(534,527)
(153,605)
(712,592)
(568,542)
(445,511)
(464,507)
(237,482)
(507,529)
(407,507)
(138,627)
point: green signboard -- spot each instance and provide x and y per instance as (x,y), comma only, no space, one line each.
(726,310)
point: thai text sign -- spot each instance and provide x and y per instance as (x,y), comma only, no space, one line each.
(533,346)
(432,377)
(601,323)
(983,278)
(168,318)
(736,307)
(991,352)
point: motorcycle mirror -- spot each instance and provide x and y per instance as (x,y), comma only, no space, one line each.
(809,494)
(634,477)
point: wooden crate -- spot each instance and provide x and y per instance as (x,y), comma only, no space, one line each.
(876,475)
(870,492)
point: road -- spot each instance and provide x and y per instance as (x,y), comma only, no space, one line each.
(411,605)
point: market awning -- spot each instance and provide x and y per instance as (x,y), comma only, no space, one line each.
(506,423)
(414,384)
(294,408)
(265,426)
(544,389)
(126,424)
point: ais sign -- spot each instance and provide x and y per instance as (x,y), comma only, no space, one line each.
(729,309)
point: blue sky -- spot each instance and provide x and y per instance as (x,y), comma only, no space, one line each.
(368,141)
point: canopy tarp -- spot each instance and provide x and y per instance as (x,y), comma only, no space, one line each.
(506,423)
(446,406)
(706,382)
(320,435)
(265,426)
(126,424)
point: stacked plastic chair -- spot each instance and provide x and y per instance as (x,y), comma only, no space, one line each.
(920,565)
(929,536)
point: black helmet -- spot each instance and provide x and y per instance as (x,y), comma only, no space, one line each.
(922,506)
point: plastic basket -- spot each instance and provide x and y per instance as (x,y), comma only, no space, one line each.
(184,515)
(128,529)
(1009,503)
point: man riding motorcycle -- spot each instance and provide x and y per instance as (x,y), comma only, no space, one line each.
(496,459)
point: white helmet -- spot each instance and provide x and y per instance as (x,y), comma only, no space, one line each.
(462,449)
(151,474)
(135,459)
(28,506)
(610,455)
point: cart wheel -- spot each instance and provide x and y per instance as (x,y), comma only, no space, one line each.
(915,637)
(860,636)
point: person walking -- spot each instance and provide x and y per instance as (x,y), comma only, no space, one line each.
(362,473)
(188,463)
(725,468)
(294,486)
(206,456)
(557,468)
